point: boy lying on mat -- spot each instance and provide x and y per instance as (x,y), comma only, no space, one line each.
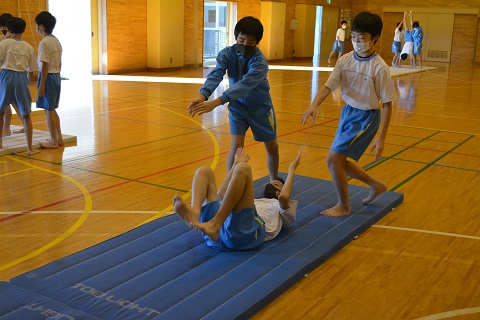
(231,219)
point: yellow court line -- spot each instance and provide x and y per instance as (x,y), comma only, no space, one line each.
(78,223)
(15,172)
(168,210)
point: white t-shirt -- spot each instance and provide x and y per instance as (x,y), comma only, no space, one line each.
(274,216)
(340,34)
(17,55)
(50,50)
(398,35)
(364,81)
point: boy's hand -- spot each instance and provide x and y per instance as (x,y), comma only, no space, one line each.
(311,112)
(241,156)
(41,91)
(379,145)
(296,162)
(201,98)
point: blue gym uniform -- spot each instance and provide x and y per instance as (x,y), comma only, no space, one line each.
(417,40)
(243,230)
(250,103)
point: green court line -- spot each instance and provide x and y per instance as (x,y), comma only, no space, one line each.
(429,164)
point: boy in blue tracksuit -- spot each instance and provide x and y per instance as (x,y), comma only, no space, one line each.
(417,42)
(250,104)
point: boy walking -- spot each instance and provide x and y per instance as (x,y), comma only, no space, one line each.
(339,41)
(364,79)
(17,61)
(248,95)
(49,83)
(231,219)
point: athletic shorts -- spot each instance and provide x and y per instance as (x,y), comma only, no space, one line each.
(260,119)
(51,98)
(356,129)
(396,47)
(243,230)
(336,47)
(15,88)
(417,47)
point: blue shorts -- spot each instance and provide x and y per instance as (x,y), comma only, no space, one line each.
(51,98)
(260,119)
(417,47)
(356,129)
(396,47)
(15,89)
(243,230)
(336,47)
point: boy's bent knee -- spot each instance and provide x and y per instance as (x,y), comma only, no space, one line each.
(204,170)
(243,168)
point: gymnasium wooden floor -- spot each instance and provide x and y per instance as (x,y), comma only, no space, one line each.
(137,148)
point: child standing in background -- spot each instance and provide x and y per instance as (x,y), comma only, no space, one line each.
(17,60)
(338,44)
(49,83)
(397,45)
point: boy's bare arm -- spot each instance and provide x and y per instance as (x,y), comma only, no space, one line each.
(284,196)
(319,98)
(382,134)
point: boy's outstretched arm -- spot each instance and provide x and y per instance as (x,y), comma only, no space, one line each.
(200,106)
(319,98)
(385,121)
(284,196)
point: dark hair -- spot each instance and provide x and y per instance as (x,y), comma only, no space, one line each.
(404,56)
(16,25)
(270,191)
(249,26)
(343,22)
(4,18)
(46,19)
(415,24)
(368,22)
(400,29)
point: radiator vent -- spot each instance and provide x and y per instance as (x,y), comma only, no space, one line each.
(437,54)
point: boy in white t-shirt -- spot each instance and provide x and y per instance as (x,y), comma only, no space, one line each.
(17,61)
(7,118)
(49,83)
(338,44)
(231,219)
(364,79)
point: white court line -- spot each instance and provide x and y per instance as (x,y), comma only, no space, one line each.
(153,79)
(450,314)
(428,231)
(81,211)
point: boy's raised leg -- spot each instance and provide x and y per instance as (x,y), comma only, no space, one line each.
(239,195)
(377,187)
(204,189)
(236,141)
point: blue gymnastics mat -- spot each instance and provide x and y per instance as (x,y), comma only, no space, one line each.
(164,270)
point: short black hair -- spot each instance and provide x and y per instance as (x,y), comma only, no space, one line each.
(415,24)
(46,19)
(343,22)
(16,25)
(270,191)
(398,23)
(368,22)
(404,56)
(249,26)
(4,18)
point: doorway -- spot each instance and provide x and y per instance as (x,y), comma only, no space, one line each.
(73,29)
(219,20)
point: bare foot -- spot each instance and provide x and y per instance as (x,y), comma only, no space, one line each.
(210,229)
(31,151)
(48,145)
(60,142)
(185,212)
(19,131)
(375,191)
(337,211)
